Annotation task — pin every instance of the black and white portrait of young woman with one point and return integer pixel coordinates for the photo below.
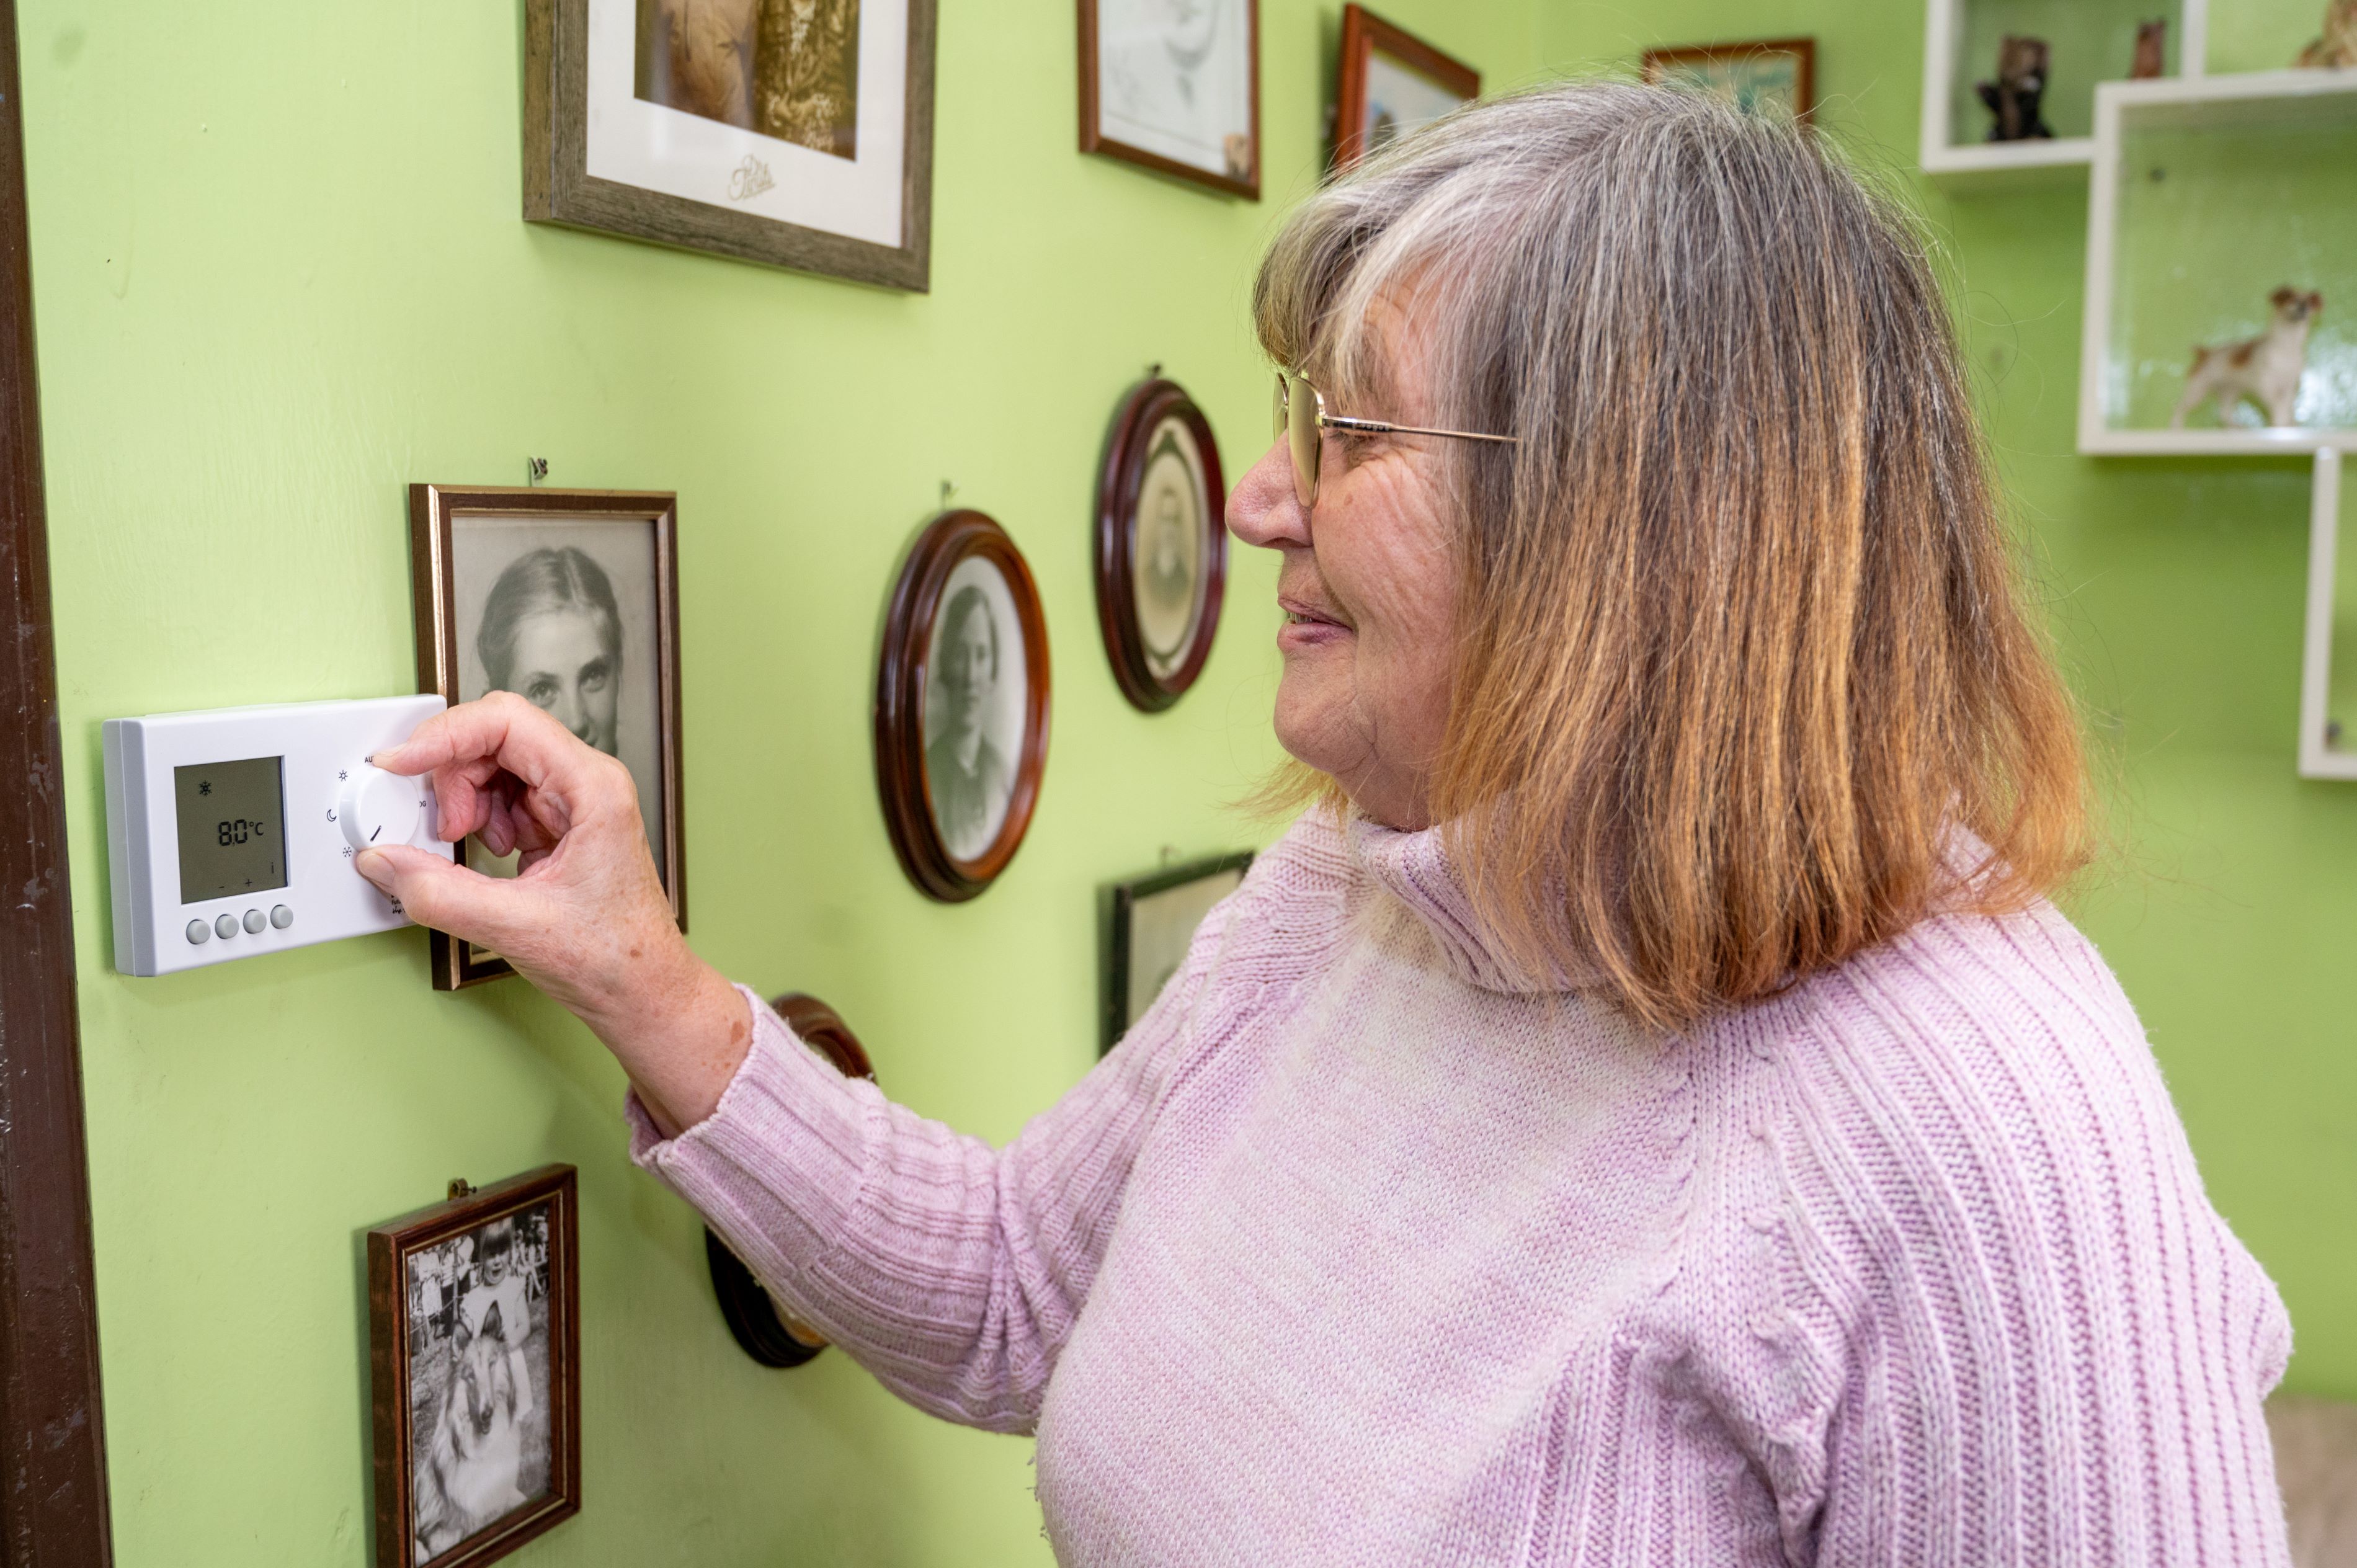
(564, 613)
(973, 708)
(1166, 559)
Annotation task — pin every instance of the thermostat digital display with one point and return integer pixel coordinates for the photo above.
(233, 830)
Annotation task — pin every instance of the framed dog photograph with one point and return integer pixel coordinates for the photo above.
(1150, 921)
(795, 132)
(475, 1368)
(1174, 86)
(960, 705)
(570, 599)
(1773, 75)
(1162, 543)
(1389, 82)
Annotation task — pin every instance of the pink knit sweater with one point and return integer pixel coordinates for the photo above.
(1351, 1254)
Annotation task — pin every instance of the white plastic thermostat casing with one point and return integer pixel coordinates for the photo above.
(301, 887)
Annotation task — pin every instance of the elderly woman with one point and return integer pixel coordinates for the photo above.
(1644, 1110)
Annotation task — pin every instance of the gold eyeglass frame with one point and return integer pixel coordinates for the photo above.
(1304, 435)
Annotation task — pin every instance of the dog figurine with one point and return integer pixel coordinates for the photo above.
(2152, 50)
(2266, 369)
(2020, 86)
(2337, 49)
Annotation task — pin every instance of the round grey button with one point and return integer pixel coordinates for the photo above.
(200, 933)
(255, 919)
(226, 927)
(281, 917)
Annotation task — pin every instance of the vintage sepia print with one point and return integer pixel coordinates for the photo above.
(973, 708)
(1161, 543)
(1174, 84)
(1389, 82)
(1168, 557)
(787, 68)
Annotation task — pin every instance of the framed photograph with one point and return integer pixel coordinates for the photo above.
(1152, 919)
(475, 1363)
(569, 598)
(1162, 543)
(960, 705)
(1390, 81)
(1174, 85)
(760, 1330)
(795, 132)
(1776, 75)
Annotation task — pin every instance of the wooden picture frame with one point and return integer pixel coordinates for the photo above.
(955, 833)
(1149, 920)
(760, 1330)
(679, 167)
(1743, 72)
(444, 1283)
(1158, 601)
(1128, 110)
(452, 602)
(1377, 58)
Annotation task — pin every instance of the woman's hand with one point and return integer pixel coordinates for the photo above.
(585, 919)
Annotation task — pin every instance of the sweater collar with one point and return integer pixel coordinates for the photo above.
(1414, 868)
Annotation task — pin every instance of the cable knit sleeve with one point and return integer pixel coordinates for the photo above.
(2033, 1339)
(951, 1270)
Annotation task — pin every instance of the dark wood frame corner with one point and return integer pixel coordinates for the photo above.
(558, 187)
(433, 591)
(53, 1497)
(1805, 84)
(1121, 902)
(1121, 479)
(390, 1242)
(761, 1331)
(1094, 139)
(900, 727)
(1366, 33)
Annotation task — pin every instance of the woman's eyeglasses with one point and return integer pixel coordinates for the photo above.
(1302, 421)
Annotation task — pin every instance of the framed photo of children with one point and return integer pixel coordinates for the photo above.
(1162, 543)
(796, 132)
(1152, 920)
(475, 1369)
(1174, 86)
(570, 599)
(1775, 75)
(1390, 81)
(960, 705)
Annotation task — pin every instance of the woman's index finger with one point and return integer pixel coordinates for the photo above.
(501, 728)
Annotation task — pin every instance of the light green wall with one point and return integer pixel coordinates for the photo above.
(280, 274)
(2229, 905)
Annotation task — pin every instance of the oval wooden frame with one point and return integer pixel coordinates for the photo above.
(753, 1318)
(1142, 412)
(900, 671)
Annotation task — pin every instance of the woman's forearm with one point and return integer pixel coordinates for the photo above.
(680, 1031)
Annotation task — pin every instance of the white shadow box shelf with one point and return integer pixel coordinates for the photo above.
(2089, 41)
(2328, 685)
(2206, 195)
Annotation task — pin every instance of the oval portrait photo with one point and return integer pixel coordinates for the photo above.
(1162, 555)
(962, 705)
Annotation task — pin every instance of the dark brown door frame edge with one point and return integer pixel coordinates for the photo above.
(53, 1509)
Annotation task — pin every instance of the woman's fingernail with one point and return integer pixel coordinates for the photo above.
(372, 864)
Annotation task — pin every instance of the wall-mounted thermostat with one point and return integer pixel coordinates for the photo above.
(233, 830)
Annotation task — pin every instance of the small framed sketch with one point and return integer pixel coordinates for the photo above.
(475, 1365)
(797, 133)
(569, 598)
(1773, 75)
(1390, 81)
(760, 1330)
(960, 705)
(1162, 543)
(1174, 86)
(1152, 919)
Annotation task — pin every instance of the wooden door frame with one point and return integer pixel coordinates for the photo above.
(53, 1507)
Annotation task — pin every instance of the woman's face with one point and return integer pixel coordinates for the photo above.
(1368, 583)
(969, 671)
(563, 664)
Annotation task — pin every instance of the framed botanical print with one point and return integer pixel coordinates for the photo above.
(1151, 920)
(960, 705)
(795, 132)
(1778, 75)
(569, 598)
(1390, 81)
(1161, 545)
(475, 1371)
(1174, 86)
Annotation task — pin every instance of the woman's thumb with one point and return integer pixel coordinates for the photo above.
(434, 892)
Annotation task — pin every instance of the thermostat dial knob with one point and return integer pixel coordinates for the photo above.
(379, 809)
